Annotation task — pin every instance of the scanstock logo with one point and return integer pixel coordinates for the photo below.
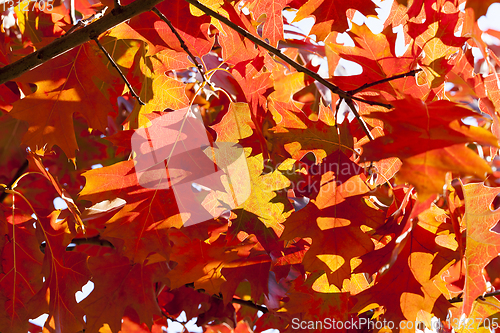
(174, 152)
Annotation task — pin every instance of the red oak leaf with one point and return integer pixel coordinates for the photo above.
(331, 15)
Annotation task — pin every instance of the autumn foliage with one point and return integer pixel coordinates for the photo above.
(365, 197)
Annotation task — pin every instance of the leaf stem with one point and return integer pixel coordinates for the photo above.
(181, 41)
(113, 63)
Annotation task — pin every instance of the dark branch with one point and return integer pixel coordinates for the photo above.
(67, 42)
(350, 103)
(250, 304)
(333, 88)
(96, 240)
(459, 298)
(18, 174)
(113, 63)
(181, 41)
(234, 300)
(387, 79)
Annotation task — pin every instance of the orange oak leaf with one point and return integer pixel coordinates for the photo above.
(201, 263)
(159, 92)
(435, 150)
(36, 165)
(306, 135)
(436, 37)
(42, 28)
(236, 124)
(236, 48)
(427, 171)
(482, 244)
(148, 213)
(118, 285)
(490, 104)
(376, 53)
(337, 236)
(273, 26)
(65, 273)
(173, 181)
(256, 86)
(20, 277)
(65, 85)
(429, 126)
(409, 281)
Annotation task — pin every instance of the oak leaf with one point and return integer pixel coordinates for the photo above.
(482, 244)
(21, 268)
(65, 85)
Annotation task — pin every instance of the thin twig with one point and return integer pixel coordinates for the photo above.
(250, 304)
(459, 298)
(18, 174)
(337, 108)
(350, 103)
(172, 318)
(387, 79)
(181, 41)
(234, 300)
(113, 63)
(118, 4)
(333, 88)
(96, 240)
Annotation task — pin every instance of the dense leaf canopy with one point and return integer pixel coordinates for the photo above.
(214, 158)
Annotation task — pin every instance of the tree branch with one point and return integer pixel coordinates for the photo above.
(387, 79)
(113, 63)
(333, 88)
(67, 42)
(96, 240)
(234, 300)
(459, 298)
